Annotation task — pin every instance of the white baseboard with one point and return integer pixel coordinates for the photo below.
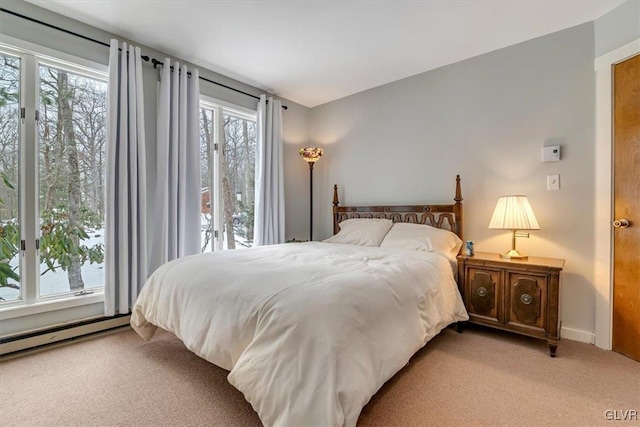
(45, 338)
(577, 335)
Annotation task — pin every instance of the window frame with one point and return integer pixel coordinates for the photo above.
(32, 56)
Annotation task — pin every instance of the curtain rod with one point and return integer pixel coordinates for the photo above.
(144, 57)
(155, 63)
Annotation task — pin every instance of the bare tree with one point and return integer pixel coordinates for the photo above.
(250, 175)
(9, 136)
(228, 199)
(206, 166)
(89, 122)
(65, 95)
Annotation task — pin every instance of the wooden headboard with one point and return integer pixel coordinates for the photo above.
(448, 217)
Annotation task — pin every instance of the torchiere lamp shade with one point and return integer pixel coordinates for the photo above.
(311, 154)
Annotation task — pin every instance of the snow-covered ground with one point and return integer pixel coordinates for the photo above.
(55, 282)
(93, 274)
(241, 242)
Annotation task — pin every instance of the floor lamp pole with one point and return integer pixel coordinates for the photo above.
(311, 201)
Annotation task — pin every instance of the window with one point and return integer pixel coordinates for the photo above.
(228, 153)
(52, 140)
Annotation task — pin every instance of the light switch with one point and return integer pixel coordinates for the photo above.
(553, 182)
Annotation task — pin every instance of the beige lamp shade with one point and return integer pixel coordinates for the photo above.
(513, 213)
(311, 154)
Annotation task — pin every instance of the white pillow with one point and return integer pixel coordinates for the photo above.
(420, 237)
(362, 231)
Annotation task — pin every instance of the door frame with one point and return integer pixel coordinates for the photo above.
(603, 255)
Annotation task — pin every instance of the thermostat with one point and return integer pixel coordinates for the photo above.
(551, 153)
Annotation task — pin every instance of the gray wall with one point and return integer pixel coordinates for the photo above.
(295, 119)
(618, 27)
(487, 119)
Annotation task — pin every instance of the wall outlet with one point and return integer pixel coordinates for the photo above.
(553, 182)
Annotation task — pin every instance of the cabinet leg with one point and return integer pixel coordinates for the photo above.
(553, 346)
(460, 327)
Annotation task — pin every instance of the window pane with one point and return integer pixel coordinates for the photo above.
(9, 174)
(238, 180)
(72, 131)
(206, 167)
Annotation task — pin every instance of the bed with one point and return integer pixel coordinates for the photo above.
(310, 331)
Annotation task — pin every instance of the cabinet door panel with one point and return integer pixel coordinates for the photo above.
(526, 297)
(484, 295)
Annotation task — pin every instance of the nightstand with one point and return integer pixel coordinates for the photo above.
(517, 296)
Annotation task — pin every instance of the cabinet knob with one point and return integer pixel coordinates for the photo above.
(526, 299)
(482, 291)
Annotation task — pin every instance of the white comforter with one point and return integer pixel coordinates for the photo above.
(309, 331)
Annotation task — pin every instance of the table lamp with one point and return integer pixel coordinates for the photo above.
(514, 213)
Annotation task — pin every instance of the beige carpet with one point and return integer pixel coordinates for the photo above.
(482, 377)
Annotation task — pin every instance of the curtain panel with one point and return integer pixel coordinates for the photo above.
(269, 198)
(176, 216)
(126, 227)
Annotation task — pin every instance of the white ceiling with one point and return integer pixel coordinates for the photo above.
(312, 51)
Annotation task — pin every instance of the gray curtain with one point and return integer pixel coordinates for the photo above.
(176, 217)
(269, 205)
(126, 232)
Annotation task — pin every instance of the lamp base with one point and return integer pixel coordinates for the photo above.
(514, 254)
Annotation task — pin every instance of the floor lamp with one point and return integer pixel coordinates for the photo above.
(311, 155)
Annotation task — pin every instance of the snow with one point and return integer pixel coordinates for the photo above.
(93, 274)
(55, 282)
(241, 242)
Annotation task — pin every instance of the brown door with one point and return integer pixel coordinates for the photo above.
(626, 246)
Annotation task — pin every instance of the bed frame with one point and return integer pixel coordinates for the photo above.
(447, 217)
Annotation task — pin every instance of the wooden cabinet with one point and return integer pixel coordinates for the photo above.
(517, 296)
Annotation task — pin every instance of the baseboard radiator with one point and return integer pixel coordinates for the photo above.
(31, 340)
